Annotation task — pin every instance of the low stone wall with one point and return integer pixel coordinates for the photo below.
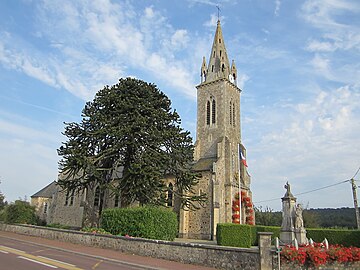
(206, 255)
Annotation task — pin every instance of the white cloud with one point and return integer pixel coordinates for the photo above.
(212, 22)
(110, 41)
(321, 64)
(241, 80)
(318, 46)
(180, 38)
(306, 143)
(277, 7)
(327, 17)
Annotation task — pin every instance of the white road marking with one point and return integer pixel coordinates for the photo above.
(56, 261)
(31, 260)
(2, 251)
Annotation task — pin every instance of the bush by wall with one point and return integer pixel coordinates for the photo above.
(20, 212)
(346, 238)
(234, 235)
(229, 235)
(259, 228)
(145, 222)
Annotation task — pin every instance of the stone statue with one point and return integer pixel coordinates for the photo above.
(292, 226)
(288, 191)
(287, 187)
(299, 222)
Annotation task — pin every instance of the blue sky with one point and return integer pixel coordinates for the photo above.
(298, 66)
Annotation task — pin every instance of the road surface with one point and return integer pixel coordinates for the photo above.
(30, 253)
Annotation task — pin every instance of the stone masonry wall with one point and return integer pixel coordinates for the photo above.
(206, 255)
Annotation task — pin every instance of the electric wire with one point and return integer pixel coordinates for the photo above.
(306, 192)
(356, 173)
(317, 189)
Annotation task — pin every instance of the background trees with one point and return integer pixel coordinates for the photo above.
(128, 140)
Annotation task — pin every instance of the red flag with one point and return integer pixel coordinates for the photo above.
(243, 159)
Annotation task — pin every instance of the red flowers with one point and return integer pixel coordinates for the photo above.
(247, 204)
(317, 255)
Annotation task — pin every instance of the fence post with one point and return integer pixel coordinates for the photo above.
(265, 250)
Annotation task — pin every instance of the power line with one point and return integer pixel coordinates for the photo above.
(356, 173)
(317, 189)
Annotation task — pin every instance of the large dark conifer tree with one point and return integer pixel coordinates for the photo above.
(128, 140)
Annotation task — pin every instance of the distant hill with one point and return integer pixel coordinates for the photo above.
(313, 218)
(335, 217)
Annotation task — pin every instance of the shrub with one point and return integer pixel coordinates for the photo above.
(335, 236)
(145, 222)
(20, 212)
(256, 229)
(234, 235)
(2, 215)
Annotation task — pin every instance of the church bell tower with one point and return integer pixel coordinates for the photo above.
(219, 152)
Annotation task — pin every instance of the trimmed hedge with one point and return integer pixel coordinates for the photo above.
(229, 234)
(234, 235)
(259, 228)
(346, 238)
(144, 222)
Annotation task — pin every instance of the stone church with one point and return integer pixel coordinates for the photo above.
(219, 157)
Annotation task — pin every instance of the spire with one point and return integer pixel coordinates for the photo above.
(219, 66)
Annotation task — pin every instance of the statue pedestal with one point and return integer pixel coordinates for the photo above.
(300, 235)
(287, 237)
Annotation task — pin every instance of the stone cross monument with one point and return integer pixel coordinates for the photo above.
(292, 226)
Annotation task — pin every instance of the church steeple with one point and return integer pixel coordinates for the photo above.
(219, 67)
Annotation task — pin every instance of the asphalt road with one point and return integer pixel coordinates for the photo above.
(27, 252)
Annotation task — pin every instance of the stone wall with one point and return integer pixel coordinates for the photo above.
(206, 255)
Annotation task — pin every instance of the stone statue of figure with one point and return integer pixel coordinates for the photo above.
(299, 222)
(288, 191)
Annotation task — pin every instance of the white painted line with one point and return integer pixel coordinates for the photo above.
(56, 261)
(31, 260)
(2, 251)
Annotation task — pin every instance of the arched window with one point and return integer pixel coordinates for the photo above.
(212, 68)
(230, 113)
(233, 114)
(208, 113)
(117, 200)
(72, 197)
(222, 67)
(213, 111)
(170, 195)
(45, 207)
(97, 197)
(67, 198)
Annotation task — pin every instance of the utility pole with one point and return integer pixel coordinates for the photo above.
(354, 187)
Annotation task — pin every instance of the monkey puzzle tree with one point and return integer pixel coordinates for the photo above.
(128, 140)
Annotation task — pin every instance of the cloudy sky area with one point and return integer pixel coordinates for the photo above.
(298, 66)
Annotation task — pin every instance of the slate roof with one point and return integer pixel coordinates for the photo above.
(47, 191)
(204, 164)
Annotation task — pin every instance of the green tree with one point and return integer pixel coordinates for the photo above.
(267, 216)
(20, 212)
(129, 128)
(311, 219)
(3, 203)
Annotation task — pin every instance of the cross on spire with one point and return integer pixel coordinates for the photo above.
(218, 8)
